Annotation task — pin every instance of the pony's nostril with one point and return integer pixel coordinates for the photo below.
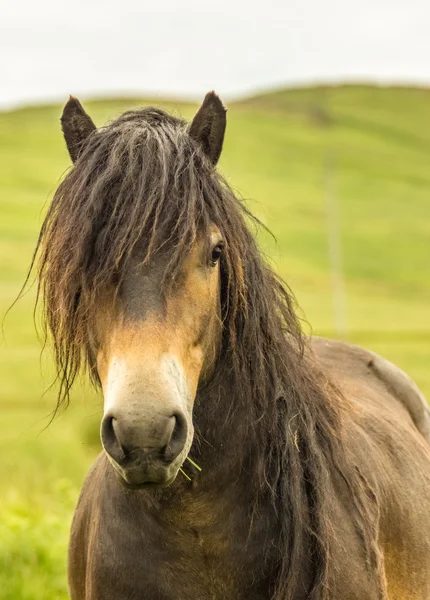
(107, 432)
(180, 430)
(177, 438)
(110, 439)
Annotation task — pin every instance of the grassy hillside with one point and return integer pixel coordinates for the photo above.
(283, 152)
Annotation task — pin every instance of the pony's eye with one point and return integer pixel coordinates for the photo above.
(216, 254)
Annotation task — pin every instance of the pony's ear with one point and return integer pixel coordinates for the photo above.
(76, 125)
(208, 126)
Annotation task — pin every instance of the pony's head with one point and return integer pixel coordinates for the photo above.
(136, 247)
(150, 275)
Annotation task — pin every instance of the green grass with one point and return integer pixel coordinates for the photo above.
(277, 146)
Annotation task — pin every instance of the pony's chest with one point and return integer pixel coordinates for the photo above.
(208, 561)
(215, 548)
(206, 558)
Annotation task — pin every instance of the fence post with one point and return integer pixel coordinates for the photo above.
(335, 253)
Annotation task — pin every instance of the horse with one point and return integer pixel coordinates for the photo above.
(242, 459)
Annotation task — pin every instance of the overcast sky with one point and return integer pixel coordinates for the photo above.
(50, 48)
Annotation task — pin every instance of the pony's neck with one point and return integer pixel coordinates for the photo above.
(228, 436)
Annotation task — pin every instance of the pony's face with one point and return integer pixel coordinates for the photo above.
(151, 358)
(153, 341)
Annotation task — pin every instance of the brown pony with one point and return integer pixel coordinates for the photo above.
(314, 455)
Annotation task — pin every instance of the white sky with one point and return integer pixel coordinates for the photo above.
(50, 48)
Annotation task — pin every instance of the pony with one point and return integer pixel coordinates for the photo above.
(241, 459)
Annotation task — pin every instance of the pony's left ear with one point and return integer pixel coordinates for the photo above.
(208, 126)
(76, 125)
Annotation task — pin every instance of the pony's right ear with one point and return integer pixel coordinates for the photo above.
(76, 125)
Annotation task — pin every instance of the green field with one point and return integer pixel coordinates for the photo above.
(284, 152)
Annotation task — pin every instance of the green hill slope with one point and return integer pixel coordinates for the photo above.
(284, 151)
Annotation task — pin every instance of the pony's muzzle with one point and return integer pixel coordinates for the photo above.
(144, 453)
